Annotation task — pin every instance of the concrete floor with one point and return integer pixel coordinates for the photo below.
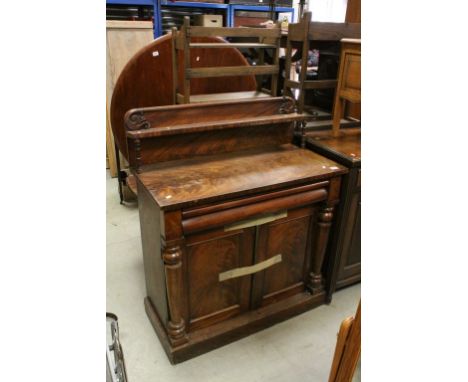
(300, 349)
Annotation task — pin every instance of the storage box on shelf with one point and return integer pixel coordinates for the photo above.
(280, 3)
(234, 219)
(252, 9)
(173, 13)
(250, 18)
(199, 1)
(209, 20)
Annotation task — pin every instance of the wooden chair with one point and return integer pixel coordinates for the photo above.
(267, 39)
(303, 36)
(348, 349)
(349, 80)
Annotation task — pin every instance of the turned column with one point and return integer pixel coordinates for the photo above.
(172, 256)
(325, 217)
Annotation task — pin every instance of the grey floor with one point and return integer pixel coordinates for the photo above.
(300, 349)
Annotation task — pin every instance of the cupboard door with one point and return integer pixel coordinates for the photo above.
(290, 238)
(350, 263)
(208, 255)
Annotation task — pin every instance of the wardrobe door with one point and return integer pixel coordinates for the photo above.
(286, 243)
(213, 298)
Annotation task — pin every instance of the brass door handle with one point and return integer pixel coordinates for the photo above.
(259, 220)
(243, 271)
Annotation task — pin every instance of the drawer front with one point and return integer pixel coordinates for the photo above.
(253, 211)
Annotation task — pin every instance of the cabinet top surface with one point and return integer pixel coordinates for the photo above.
(205, 179)
(347, 145)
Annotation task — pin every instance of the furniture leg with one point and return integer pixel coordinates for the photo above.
(172, 257)
(337, 114)
(324, 222)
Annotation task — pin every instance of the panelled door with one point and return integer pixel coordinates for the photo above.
(350, 263)
(233, 269)
(209, 254)
(288, 238)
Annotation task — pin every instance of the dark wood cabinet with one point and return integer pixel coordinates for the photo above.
(344, 252)
(227, 270)
(234, 219)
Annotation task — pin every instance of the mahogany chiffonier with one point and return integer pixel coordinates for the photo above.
(234, 219)
(344, 251)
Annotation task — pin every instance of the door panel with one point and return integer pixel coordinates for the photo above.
(350, 263)
(210, 254)
(289, 237)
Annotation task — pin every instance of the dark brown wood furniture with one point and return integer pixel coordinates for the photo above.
(146, 80)
(348, 349)
(234, 219)
(344, 253)
(182, 43)
(299, 33)
(349, 80)
(307, 35)
(353, 11)
(353, 15)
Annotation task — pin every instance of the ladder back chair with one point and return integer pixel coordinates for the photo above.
(305, 34)
(349, 80)
(268, 38)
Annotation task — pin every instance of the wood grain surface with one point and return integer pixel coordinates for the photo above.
(146, 80)
(187, 182)
(193, 117)
(348, 144)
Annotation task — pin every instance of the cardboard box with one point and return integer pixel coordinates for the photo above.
(209, 20)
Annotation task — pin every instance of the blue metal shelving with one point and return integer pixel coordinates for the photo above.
(229, 8)
(156, 11)
(130, 2)
(195, 4)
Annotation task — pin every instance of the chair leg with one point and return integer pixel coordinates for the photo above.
(337, 115)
